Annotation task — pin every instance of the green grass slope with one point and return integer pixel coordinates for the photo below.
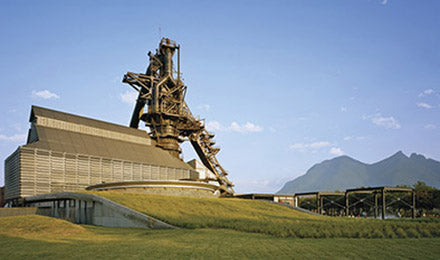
(40, 228)
(267, 218)
(37, 237)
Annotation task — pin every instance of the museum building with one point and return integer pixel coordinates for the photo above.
(66, 152)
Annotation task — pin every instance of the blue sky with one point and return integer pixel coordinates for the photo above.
(283, 84)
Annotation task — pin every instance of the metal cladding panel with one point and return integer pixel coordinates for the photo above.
(146, 172)
(12, 176)
(117, 170)
(127, 171)
(28, 164)
(67, 153)
(137, 172)
(33, 136)
(107, 173)
(80, 120)
(155, 175)
(70, 170)
(180, 172)
(95, 170)
(83, 170)
(171, 173)
(163, 173)
(41, 132)
(31, 171)
(57, 167)
(42, 169)
(77, 143)
(101, 147)
(55, 146)
(73, 142)
(84, 141)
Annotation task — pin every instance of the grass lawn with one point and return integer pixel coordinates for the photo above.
(267, 218)
(38, 237)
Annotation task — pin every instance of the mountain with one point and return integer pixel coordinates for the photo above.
(344, 172)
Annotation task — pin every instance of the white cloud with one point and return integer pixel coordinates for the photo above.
(349, 138)
(384, 2)
(204, 107)
(424, 105)
(426, 92)
(214, 126)
(14, 138)
(310, 146)
(336, 151)
(247, 127)
(387, 122)
(430, 126)
(129, 97)
(343, 109)
(319, 144)
(45, 94)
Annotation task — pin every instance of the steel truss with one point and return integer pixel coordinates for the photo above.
(168, 117)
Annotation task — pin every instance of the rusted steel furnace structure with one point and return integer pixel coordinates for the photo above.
(167, 115)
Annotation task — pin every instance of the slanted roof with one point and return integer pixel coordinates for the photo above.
(62, 140)
(62, 116)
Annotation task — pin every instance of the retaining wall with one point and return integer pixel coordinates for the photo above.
(81, 208)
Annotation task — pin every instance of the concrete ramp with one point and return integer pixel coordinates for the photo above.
(83, 208)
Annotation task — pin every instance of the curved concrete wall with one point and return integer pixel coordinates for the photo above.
(82, 208)
(163, 187)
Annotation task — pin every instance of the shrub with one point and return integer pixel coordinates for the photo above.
(401, 233)
(412, 232)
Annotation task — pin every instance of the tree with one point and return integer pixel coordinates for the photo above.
(428, 198)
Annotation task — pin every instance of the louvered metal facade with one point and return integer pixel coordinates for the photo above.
(68, 153)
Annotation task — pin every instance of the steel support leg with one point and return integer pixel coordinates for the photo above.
(383, 204)
(321, 204)
(318, 207)
(413, 204)
(376, 206)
